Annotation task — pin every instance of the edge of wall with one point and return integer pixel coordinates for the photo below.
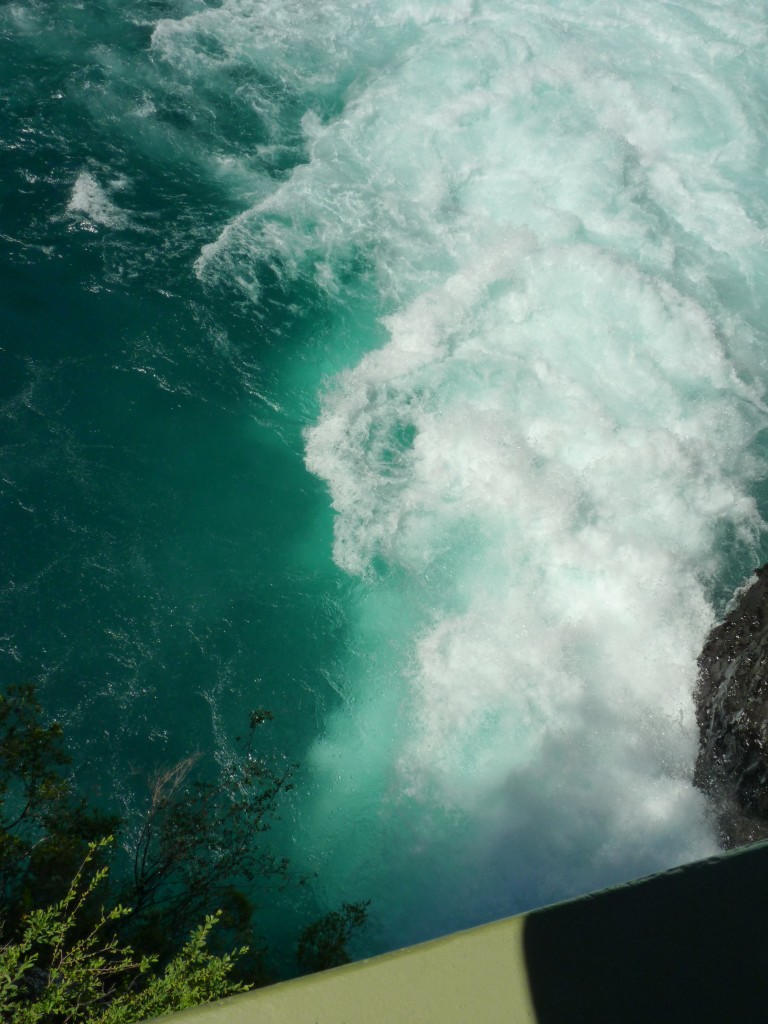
(687, 945)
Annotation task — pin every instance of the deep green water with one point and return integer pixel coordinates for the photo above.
(400, 368)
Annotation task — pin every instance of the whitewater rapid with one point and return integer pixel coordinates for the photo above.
(561, 212)
(531, 239)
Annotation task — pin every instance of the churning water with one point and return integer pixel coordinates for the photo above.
(399, 366)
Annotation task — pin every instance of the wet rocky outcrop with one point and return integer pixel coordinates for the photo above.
(732, 713)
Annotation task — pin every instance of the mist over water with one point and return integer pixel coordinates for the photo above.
(460, 311)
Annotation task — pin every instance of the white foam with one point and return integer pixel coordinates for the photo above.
(558, 210)
(91, 200)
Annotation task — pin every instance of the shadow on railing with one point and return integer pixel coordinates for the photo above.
(689, 946)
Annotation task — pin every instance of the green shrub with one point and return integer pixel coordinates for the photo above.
(51, 975)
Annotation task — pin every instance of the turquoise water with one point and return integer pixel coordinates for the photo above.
(400, 367)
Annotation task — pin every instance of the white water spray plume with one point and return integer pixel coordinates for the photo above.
(561, 213)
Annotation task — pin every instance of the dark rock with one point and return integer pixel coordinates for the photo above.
(732, 713)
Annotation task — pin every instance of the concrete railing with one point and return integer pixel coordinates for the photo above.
(689, 946)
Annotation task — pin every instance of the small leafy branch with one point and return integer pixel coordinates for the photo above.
(49, 975)
(78, 945)
(323, 943)
(44, 828)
